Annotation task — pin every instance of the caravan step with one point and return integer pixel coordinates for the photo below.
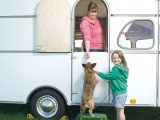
(97, 116)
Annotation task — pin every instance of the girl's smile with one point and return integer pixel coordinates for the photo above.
(116, 59)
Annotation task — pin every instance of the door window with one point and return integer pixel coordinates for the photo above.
(80, 11)
(137, 34)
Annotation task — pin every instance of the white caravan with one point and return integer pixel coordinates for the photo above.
(41, 57)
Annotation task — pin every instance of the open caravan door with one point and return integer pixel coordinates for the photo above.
(100, 58)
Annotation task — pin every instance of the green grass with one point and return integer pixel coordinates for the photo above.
(13, 112)
(19, 112)
(18, 116)
(133, 113)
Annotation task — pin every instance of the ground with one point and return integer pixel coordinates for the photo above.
(19, 112)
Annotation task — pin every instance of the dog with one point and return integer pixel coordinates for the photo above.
(90, 82)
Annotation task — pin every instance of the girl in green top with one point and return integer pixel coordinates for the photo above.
(118, 82)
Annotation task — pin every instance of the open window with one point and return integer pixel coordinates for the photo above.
(137, 34)
(80, 11)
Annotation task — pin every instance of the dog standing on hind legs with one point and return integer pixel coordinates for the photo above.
(90, 82)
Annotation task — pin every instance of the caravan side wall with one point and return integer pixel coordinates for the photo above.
(23, 70)
(143, 82)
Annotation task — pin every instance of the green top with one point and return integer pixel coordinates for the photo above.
(118, 79)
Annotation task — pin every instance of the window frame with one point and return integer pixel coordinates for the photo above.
(130, 22)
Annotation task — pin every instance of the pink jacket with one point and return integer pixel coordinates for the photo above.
(92, 32)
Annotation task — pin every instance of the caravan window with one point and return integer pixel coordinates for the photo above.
(51, 35)
(80, 11)
(137, 35)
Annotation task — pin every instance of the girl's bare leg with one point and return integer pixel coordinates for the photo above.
(120, 114)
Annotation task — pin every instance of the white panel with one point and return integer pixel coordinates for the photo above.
(142, 78)
(101, 89)
(132, 6)
(20, 73)
(28, 7)
(118, 23)
(159, 84)
(17, 33)
(18, 7)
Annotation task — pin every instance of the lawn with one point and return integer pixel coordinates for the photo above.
(132, 113)
(13, 112)
(19, 112)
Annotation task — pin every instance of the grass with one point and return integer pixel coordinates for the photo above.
(132, 113)
(19, 112)
(13, 112)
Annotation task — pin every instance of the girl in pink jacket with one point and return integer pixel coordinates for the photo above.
(92, 32)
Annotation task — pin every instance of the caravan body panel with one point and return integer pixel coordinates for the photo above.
(24, 70)
(22, 73)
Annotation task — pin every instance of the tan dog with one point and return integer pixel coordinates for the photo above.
(90, 82)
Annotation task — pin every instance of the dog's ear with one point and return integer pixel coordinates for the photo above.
(84, 65)
(93, 65)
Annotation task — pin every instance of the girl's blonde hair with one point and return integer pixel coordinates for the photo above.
(121, 55)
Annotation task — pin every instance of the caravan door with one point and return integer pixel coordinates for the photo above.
(101, 90)
(100, 58)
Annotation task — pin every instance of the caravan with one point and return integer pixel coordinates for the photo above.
(41, 56)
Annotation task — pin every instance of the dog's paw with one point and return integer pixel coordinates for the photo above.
(92, 115)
